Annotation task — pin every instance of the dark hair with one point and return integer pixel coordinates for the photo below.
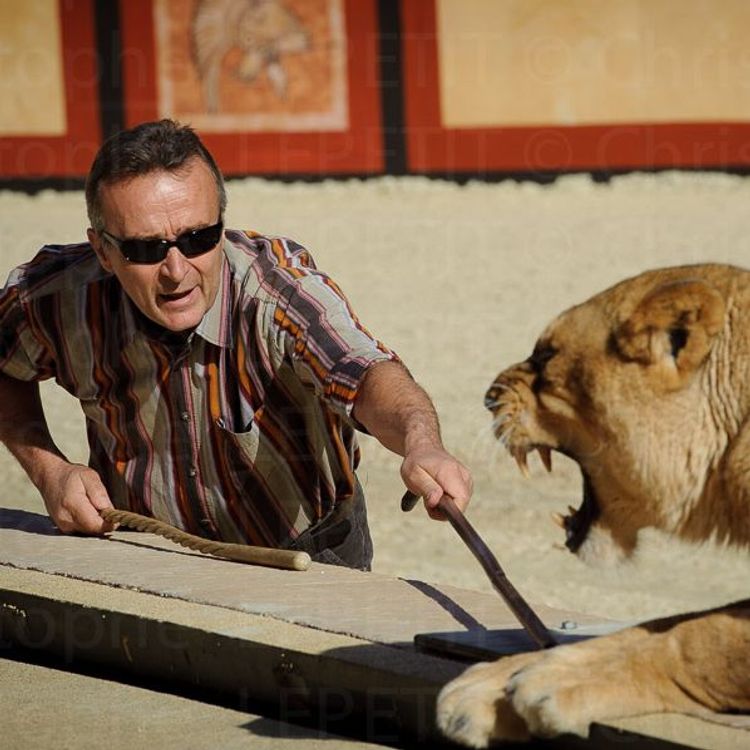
(161, 145)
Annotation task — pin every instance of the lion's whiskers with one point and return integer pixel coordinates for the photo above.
(485, 443)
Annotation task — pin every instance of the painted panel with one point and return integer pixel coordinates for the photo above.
(302, 97)
(32, 100)
(275, 65)
(65, 142)
(587, 62)
(551, 146)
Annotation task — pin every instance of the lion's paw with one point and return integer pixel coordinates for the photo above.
(573, 686)
(547, 704)
(474, 709)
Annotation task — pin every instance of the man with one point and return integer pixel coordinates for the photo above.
(221, 375)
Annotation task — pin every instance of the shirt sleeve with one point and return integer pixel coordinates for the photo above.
(22, 355)
(325, 341)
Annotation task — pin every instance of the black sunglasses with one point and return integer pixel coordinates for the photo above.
(192, 243)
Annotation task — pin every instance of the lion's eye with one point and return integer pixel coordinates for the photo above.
(677, 339)
(541, 355)
(539, 360)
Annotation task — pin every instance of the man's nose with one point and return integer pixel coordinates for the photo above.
(174, 264)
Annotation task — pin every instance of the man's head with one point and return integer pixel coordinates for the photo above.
(158, 182)
(149, 147)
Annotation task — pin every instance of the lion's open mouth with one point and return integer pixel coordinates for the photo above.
(578, 522)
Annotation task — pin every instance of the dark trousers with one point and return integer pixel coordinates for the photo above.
(342, 537)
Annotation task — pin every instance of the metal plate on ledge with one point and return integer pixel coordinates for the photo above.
(487, 645)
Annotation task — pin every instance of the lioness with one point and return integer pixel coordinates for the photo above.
(647, 387)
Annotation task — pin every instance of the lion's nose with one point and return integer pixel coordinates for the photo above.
(491, 397)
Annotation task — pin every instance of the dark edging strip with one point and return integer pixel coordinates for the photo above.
(326, 691)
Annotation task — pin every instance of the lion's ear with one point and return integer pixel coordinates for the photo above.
(673, 326)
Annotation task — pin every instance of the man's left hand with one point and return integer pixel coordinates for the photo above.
(430, 472)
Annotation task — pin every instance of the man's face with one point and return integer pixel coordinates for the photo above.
(178, 291)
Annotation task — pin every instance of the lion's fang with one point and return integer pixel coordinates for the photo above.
(520, 455)
(546, 455)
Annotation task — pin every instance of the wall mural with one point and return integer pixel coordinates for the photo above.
(252, 65)
(297, 87)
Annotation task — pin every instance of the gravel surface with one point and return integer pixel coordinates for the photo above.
(460, 281)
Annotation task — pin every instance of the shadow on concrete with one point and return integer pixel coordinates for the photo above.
(286, 730)
(455, 610)
(24, 520)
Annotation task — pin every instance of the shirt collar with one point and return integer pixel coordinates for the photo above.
(215, 327)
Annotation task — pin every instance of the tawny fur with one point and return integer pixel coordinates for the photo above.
(647, 387)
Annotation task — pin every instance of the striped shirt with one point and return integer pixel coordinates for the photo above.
(240, 430)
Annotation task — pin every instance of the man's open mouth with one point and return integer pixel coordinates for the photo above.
(175, 296)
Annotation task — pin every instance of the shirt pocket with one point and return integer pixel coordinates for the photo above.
(244, 444)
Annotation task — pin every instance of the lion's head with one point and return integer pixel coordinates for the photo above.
(645, 386)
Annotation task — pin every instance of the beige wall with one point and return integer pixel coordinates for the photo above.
(32, 100)
(575, 62)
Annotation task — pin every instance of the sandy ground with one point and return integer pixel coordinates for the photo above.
(460, 281)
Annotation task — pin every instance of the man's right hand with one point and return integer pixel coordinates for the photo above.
(74, 495)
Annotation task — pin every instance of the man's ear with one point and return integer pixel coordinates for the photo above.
(96, 243)
(673, 327)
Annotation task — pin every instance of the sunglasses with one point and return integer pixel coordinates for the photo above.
(192, 243)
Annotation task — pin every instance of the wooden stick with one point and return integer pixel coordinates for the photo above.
(285, 559)
(516, 603)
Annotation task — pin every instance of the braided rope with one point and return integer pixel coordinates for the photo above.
(272, 558)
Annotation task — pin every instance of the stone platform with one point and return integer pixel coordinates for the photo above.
(327, 647)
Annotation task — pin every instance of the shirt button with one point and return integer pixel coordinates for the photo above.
(185, 416)
(192, 471)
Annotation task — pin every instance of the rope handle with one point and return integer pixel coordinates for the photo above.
(285, 559)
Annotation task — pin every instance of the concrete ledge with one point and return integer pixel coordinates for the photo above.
(305, 676)
(324, 646)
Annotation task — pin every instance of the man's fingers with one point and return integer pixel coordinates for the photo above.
(432, 498)
(461, 489)
(456, 488)
(95, 490)
(431, 492)
(83, 496)
(64, 522)
(435, 513)
(424, 486)
(99, 499)
(433, 473)
(88, 520)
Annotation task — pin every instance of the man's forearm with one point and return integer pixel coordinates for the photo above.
(24, 431)
(396, 410)
(73, 494)
(401, 416)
